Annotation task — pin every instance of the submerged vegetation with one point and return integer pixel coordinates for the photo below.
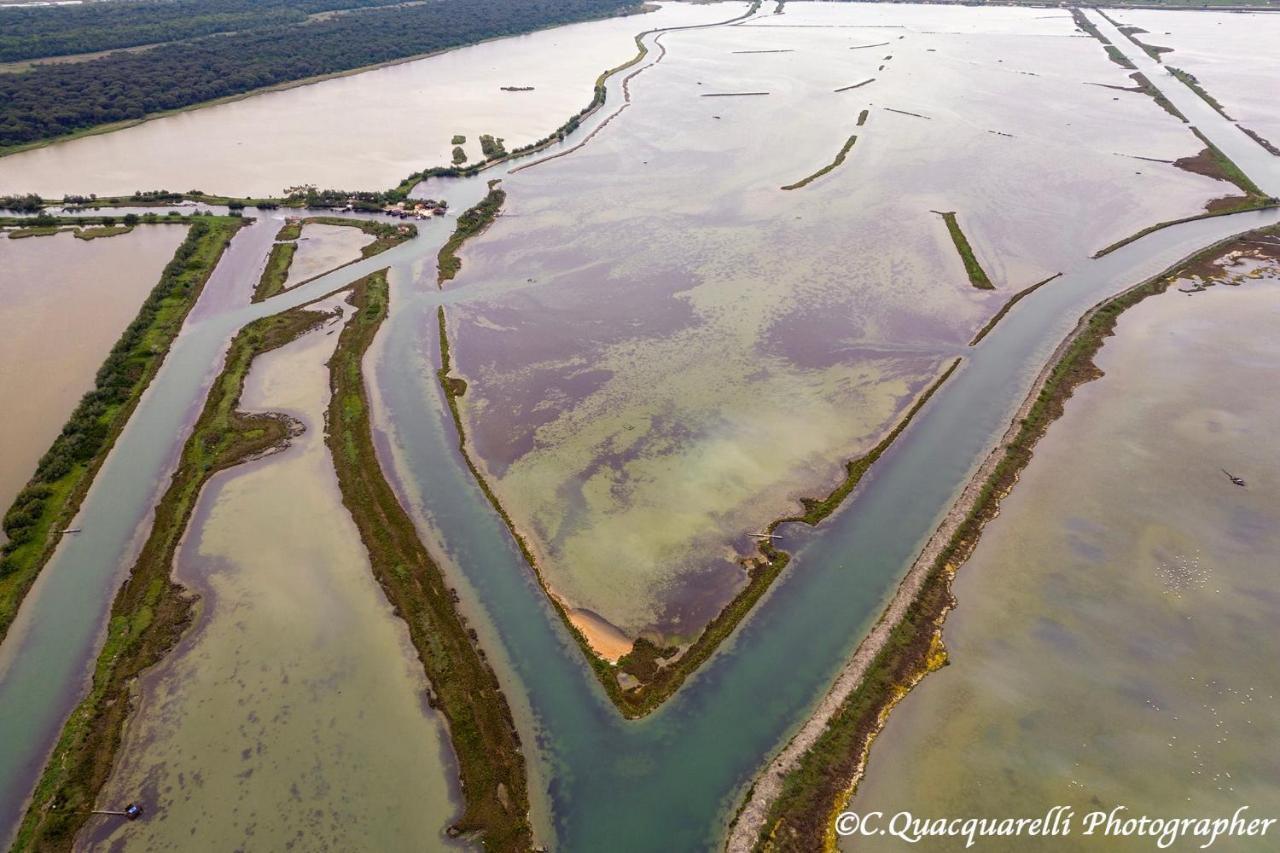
(977, 275)
(151, 611)
(840, 155)
(470, 223)
(821, 780)
(464, 686)
(46, 506)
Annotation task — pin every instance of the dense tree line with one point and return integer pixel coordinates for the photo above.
(56, 99)
(40, 31)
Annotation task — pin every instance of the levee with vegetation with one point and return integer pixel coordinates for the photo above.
(44, 509)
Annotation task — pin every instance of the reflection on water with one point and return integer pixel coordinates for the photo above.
(365, 131)
(681, 350)
(1114, 641)
(63, 303)
(294, 715)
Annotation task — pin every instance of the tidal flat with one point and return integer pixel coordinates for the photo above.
(1111, 644)
(329, 739)
(665, 351)
(363, 131)
(63, 304)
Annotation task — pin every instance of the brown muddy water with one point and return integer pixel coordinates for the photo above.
(363, 131)
(63, 303)
(295, 712)
(322, 248)
(681, 349)
(1114, 643)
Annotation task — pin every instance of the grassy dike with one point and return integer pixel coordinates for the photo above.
(820, 782)
(840, 155)
(977, 275)
(151, 611)
(52, 498)
(465, 688)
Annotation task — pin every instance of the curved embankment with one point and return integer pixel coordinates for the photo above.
(473, 221)
(1004, 309)
(657, 673)
(49, 502)
(794, 799)
(840, 155)
(276, 273)
(464, 687)
(151, 612)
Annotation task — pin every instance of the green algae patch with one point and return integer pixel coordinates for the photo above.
(840, 155)
(464, 686)
(825, 776)
(474, 221)
(48, 503)
(151, 612)
(977, 275)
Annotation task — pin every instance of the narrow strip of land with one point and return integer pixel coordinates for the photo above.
(840, 155)
(48, 503)
(464, 686)
(977, 275)
(1013, 300)
(792, 802)
(276, 272)
(472, 222)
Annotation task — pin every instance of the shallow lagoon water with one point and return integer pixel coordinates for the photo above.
(1114, 643)
(322, 248)
(1233, 55)
(682, 349)
(63, 303)
(365, 131)
(295, 712)
(610, 785)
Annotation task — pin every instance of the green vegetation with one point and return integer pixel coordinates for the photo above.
(35, 231)
(840, 155)
(458, 139)
(276, 271)
(51, 499)
(1004, 309)
(1147, 88)
(492, 148)
(151, 612)
(1212, 163)
(464, 686)
(56, 100)
(977, 275)
(799, 819)
(470, 223)
(102, 231)
(459, 156)
(1119, 58)
(1083, 22)
(1194, 85)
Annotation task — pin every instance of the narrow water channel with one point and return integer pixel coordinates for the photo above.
(609, 784)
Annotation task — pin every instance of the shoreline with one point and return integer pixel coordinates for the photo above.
(870, 684)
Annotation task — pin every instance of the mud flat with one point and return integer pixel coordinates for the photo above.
(63, 303)
(327, 740)
(661, 351)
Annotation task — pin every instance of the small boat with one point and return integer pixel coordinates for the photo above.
(1239, 481)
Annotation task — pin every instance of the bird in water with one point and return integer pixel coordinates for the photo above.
(1239, 481)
